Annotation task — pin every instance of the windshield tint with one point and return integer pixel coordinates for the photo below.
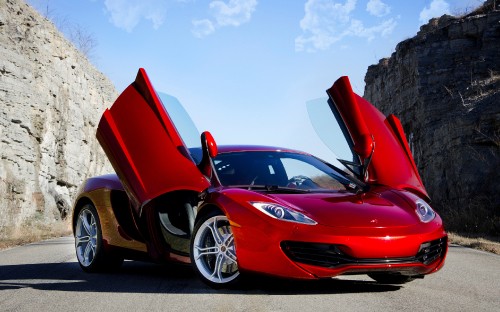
(279, 169)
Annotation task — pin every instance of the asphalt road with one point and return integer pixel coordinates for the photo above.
(46, 277)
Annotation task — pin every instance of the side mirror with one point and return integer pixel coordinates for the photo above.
(365, 149)
(209, 150)
(208, 144)
(364, 146)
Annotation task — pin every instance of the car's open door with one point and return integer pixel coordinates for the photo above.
(378, 144)
(144, 146)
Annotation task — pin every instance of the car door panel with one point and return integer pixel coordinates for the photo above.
(392, 162)
(144, 146)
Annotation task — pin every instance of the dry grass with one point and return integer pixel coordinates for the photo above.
(490, 244)
(33, 232)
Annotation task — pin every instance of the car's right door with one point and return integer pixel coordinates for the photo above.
(375, 141)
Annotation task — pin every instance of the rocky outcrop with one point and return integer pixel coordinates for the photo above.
(444, 85)
(51, 99)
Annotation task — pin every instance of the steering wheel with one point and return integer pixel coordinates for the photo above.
(301, 181)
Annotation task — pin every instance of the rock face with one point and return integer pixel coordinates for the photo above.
(51, 99)
(444, 85)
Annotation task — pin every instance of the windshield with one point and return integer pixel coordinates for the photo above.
(275, 170)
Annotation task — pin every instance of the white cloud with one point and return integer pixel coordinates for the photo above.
(357, 29)
(322, 23)
(226, 13)
(377, 8)
(126, 14)
(326, 22)
(202, 28)
(233, 13)
(435, 9)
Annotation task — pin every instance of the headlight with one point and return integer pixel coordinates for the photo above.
(424, 211)
(282, 213)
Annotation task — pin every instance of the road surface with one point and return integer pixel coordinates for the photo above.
(46, 277)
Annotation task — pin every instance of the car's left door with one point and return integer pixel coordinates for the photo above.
(144, 146)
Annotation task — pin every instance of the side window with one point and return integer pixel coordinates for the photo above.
(331, 129)
(181, 119)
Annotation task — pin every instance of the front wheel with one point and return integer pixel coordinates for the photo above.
(88, 243)
(213, 253)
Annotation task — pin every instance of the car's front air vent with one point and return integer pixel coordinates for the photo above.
(323, 255)
(327, 255)
(430, 251)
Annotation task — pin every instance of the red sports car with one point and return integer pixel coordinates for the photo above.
(229, 210)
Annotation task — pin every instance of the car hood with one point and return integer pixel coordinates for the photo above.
(344, 209)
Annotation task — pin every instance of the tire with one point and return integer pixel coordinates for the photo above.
(213, 253)
(388, 278)
(88, 243)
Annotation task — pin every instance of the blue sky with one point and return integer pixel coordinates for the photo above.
(244, 69)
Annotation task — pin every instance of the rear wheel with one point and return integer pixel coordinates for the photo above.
(389, 278)
(88, 243)
(213, 253)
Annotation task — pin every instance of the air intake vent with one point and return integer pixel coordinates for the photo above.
(323, 255)
(430, 251)
(326, 255)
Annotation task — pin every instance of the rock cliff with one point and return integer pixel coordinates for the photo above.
(51, 99)
(444, 85)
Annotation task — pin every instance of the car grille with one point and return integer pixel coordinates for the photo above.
(326, 255)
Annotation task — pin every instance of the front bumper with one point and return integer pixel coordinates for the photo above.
(308, 252)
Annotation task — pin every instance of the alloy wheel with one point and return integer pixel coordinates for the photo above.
(213, 251)
(86, 237)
